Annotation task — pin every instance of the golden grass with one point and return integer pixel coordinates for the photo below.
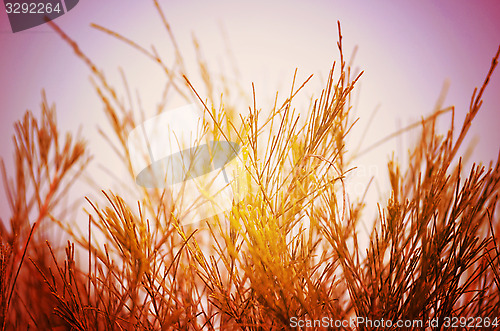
(289, 249)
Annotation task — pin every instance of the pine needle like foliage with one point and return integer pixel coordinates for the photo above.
(289, 250)
(45, 167)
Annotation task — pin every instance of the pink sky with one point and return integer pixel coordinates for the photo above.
(407, 49)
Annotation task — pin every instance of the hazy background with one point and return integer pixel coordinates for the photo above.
(407, 50)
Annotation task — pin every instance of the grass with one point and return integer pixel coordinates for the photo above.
(290, 249)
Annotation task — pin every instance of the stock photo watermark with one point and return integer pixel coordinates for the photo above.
(355, 322)
(171, 151)
(24, 15)
(364, 322)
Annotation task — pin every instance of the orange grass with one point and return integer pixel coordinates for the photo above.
(290, 249)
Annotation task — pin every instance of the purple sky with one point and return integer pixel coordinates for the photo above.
(407, 49)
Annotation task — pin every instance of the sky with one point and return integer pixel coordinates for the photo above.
(407, 49)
